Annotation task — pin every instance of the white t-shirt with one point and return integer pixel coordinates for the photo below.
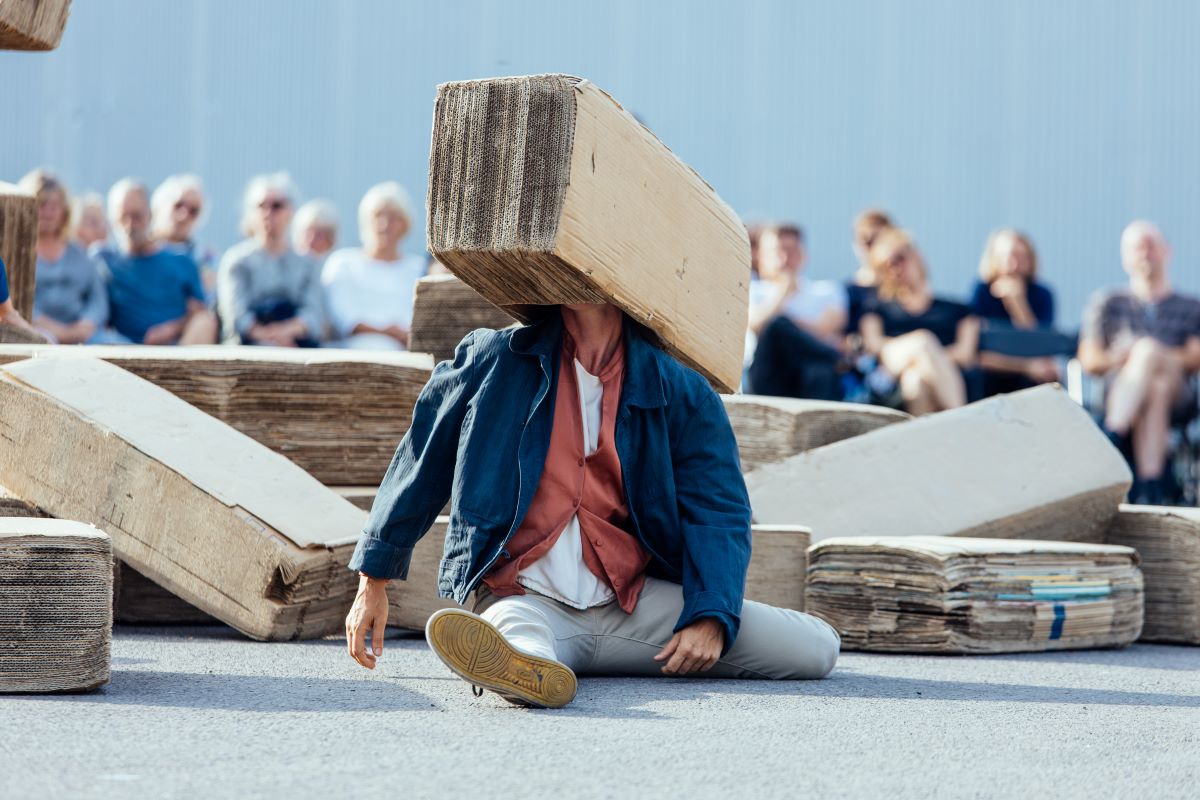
(561, 573)
(811, 300)
(362, 289)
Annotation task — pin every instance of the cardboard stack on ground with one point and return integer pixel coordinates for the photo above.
(32, 24)
(339, 414)
(931, 594)
(11, 334)
(204, 511)
(1031, 465)
(18, 245)
(543, 190)
(55, 605)
(444, 311)
(1168, 541)
(137, 600)
(769, 429)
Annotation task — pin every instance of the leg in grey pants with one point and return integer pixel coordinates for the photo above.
(772, 642)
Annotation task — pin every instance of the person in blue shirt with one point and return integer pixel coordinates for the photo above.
(8, 312)
(155, 296)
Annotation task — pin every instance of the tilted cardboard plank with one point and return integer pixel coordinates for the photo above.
(18, 248)
(32, 24)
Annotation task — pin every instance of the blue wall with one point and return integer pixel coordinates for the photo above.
(1066, 119)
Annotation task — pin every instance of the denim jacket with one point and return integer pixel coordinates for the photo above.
(479, 436)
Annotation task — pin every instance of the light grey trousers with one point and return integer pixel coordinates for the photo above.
(773, 643)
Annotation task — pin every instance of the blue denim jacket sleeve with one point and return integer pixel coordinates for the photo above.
(714, 509)
(417, 484)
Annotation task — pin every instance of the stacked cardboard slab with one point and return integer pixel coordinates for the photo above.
(361, 496)
(18, 238)
(339, 414)
(444, 311)
(32, 24)
(543, 190)
(769, 429)
(11, 334)
(775, 576)
(204, 511)
(1168, 541)
(929, 594)
(55, 605)
(1031, 464)
(137, 600)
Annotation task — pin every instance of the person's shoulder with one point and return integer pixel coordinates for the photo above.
(683, 386)
(1107, 296)
(339, 260)
(1187, 301)
(240, 252)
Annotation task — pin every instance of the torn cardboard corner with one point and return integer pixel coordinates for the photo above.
(445, 310)
(32, 24)
(1168, 541)
(55, 605)
(18, 250)
(544, 191)
(202, 510)
(929, 594)
(770, 429)
(338, 414)
(1029, 465)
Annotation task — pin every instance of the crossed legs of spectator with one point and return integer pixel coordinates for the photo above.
(929, 379)
(1140, 400)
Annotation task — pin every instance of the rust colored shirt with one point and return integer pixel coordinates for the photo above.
(575, 484)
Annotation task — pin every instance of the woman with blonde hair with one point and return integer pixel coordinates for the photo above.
(90, 219)
(1008, 290)
(70, 301)
(922, 342)
(178, 211)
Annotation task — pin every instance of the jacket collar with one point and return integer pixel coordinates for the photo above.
(642, 385)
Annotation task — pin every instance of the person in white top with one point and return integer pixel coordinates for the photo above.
(798, 323)
(369, 290)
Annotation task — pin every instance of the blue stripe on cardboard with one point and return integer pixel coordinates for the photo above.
(1060, 616)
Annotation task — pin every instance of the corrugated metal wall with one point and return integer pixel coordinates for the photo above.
(1066, 119)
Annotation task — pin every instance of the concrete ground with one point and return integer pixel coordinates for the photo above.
(202, 712)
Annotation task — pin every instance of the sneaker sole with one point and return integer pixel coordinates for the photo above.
(476, 652)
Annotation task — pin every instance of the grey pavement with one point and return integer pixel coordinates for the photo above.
(202, 712)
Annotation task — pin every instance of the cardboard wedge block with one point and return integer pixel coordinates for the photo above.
(444, 311)
(1031, 465)
(1168, 541)
(18, 247)
(339, 414)
(137, 600)
(55, 605)
(775, 576)
(769, 429)
(931, 594)
(204, 511)
(32, 24)
(11, 334)
(543, 190)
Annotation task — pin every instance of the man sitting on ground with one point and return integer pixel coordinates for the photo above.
(599, 515)
(1144, 341)
(155, 297)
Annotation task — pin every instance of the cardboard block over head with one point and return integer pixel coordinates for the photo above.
(544, 191)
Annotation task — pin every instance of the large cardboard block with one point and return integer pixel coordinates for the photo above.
(1031, 465)
(55, 605)
(1168, 541)
(769, 429)
(137, 600)
(18, 244)
(339, 414)
(930, 594)
(202, 510)
(543, 190)
(444, 311)
(32, 24)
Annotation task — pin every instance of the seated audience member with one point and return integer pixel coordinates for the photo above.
(268, 294)
(315, 229)
(154, 296)
(8, 312)
(861, 289)
(70, 301)
(1008, 293)
(1144, 340)
(921, 341)
(369, 290)
(91, 227)
(798, 322)
(178, 209)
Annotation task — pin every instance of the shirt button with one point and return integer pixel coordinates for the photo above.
(581, 462)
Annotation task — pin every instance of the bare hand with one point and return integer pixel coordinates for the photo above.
(1042, 370)
(164, 332)
(398, 333)
(1009, 286)
(696, 648)
(369, 613)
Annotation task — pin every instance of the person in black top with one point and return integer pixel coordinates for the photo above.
(921, 340)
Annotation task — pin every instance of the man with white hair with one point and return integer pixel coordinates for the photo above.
(1144, 340)
(369, 290)
(269, 294)
(155, 296)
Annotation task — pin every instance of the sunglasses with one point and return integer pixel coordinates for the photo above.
(192, 211)
(273, 205)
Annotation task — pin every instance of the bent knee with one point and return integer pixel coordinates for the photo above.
(812, 654)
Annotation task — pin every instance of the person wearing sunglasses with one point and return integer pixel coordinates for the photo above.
(177, 206)
(923, 343)
(70, 302)
(267, 293)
